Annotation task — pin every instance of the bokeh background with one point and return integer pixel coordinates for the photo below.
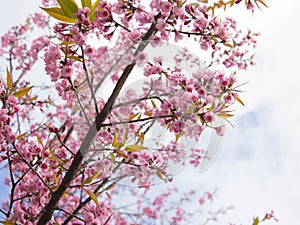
(257, 169)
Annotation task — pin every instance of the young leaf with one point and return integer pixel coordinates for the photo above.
(119, 153)
(90, 179)
(8, 78)
(134, 148)
(153, 104)
(255, 221)
(133, 116)
(92, 12)
(21, 136)
(159, 175)
(7, 223)
(261, 1)
(115, 141)
(93, 197)
(149, 114)
(75, 57)
(112, 158)
(59, 14)
(240, 101)
(39, 140)
(22, 92)
(69, 7)
(33, 98)
(226, 44)
(108, 195)
(110, 187)
(95, 5)
(55, 179)
(224, 115)
(125, 137)
(86, 3)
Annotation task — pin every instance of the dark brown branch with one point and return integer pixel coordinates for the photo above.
(1, 211)
(48, 211)
(72, 215)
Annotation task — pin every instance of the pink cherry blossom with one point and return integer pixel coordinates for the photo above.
(166, 7)
(221, 130)
(209, 117)
(47, 129)
(161, 24)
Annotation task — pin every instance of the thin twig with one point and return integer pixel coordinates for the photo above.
(63, 144)
(138, 120)
(140, 99)
(80, 104)
(32, 169)
(3, 212)
(77, 217)
(13, 185)
(89, 81)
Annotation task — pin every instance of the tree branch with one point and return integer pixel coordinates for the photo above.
(138, 120)
(47, 212)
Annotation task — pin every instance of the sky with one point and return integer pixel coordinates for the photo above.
(257, 169)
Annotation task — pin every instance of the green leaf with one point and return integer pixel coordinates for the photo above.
(153, 104)
(92, 12)
(115, 143)
(93, 197)
(76, 58)
(55, 178)
(22, 92)
(59, 14)
(224, 115)
(133, 116)
(86, 3)
(32, 99)
(90, 179)
(8, 79)
(159, 175)
(119, 153)
(95, 5)
(39, 140)
(255, 221)
(134, 148)
(262, 2)
(240, 101)
(7, 223)
(21, 136)
(226, 44)
(69, 7)
(125, 137)
(112, 158)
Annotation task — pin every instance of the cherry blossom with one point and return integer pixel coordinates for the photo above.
(73, 146)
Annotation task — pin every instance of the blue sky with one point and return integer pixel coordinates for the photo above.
(258, 167)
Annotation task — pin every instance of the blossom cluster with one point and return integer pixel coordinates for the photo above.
(102, 44)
